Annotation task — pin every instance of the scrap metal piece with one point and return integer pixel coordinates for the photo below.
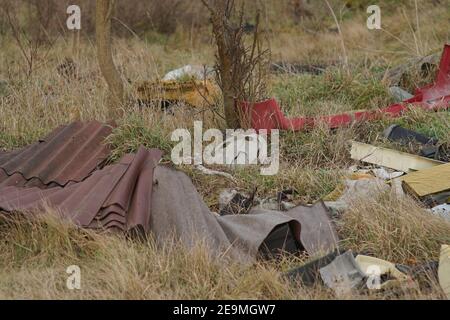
(444, 270)
(400, 161)
(343, 274)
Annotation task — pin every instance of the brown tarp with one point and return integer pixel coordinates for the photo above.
(178, 209)
(68, 154)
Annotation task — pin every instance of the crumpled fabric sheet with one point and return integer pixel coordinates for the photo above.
(177, 209)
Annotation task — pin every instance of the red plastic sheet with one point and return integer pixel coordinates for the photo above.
(268, 115)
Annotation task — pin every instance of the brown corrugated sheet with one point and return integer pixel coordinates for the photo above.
(138, 195)
(117, 196)
(68, 154)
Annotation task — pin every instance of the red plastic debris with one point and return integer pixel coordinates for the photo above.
(268, 115)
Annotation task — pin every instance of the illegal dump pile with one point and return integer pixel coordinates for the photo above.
(374, 221)
(69, 172)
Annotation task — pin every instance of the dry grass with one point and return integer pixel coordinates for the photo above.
(394, 229)
(35, 255)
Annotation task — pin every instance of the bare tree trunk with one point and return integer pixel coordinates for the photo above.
(104, 9)
(240, 67)
(226, 72)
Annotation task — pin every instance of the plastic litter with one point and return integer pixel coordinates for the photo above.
(189, 71)
(343, 274)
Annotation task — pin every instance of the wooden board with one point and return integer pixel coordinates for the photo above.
(428, 181)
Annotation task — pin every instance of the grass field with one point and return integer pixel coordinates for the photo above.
(34, 255)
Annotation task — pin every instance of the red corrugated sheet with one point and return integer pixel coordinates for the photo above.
(68, 154)
(268, 115)
(118, 196)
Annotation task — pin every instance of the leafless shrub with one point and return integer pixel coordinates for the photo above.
(241, 68)
(31, 37)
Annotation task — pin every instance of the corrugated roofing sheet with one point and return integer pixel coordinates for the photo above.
(68, 154)
(135, 194)
(118, 196)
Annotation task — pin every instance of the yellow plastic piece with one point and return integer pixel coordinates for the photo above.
(386, 267)
(367, 264)
(197, 93)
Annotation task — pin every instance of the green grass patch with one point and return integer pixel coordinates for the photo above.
(134, 132)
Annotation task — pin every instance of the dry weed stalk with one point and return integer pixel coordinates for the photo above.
(30, 42)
